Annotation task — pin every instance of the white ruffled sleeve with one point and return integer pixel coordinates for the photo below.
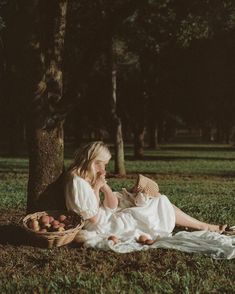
(80, 197)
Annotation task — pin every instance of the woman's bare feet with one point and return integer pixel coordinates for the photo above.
(216, 228)
(184, 220)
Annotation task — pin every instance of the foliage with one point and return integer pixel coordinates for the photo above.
(2, 24)
(174, 59)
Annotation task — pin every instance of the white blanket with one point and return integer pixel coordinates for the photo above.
(213, 244)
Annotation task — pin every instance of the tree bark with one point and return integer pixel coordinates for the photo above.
(153, 136)
(119, 149)
(45, 23)
(116, 121)
(139, 142)
(2, 66)
(46, 157)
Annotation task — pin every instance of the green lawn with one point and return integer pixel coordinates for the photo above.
(197, 178)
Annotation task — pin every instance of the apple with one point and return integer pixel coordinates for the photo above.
(30, 223)
(55, 227)
(44, 219)
(62, 218)
(114, 239)
(51, 219)
(142, 239)
(46, 226)
(35, 225)
(149, 241)
(55, 222)
(61, 229)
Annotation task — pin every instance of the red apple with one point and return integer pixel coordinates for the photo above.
(44, 219)
(55, 222)
(62, 218)
(51, 219)
(142, 239)
(114, 239)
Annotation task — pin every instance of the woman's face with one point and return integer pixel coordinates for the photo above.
(100, 166)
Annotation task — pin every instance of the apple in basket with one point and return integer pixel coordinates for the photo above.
(55, 223)
(66, 222)
(51, 219)
(34, 225)
(44, 222)
(55, 227)
(48, 223)
(62, 218)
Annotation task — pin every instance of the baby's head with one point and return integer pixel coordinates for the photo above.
(88, 157)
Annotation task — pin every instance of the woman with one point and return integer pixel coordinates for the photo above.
(117, 215)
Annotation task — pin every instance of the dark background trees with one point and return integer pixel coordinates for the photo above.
(130, 71)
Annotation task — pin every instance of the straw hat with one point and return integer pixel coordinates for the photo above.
(146, 186)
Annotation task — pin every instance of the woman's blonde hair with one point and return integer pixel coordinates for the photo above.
(85, 157)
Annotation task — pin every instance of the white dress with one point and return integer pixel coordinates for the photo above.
(137, 215)
(153, 217)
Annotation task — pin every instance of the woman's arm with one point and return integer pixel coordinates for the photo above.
(100, 182)
(110, 199)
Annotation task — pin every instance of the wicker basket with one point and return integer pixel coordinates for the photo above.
(53, 239)
(147, 186)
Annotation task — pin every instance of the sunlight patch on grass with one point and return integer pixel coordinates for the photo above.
(13, 190)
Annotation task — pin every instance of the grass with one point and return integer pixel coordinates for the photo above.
(197, 178)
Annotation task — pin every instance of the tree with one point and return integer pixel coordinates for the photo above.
(107, 17)
(115, 119)
(38, 27)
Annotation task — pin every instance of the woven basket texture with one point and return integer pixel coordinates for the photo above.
(53, 239)
(147, 186)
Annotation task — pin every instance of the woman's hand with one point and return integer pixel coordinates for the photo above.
(100, 181)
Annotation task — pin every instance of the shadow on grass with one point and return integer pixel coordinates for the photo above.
(198, 148)
(175, 158)
(133, 174)
(14, 235)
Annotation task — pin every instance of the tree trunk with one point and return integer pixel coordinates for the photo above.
(152, 114)
(116, 121)
(139, 143)
(2, 66)
(153, 137)
(44, 91)
(119, 150)
(46, 155)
